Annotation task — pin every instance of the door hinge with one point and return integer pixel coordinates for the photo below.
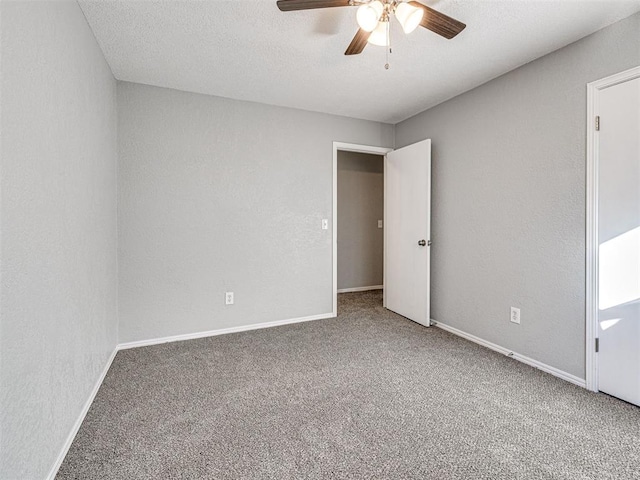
(597, 345)
(597, 123)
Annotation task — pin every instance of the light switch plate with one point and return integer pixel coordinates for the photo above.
(325, 224)
(515, 315)
(379, 223)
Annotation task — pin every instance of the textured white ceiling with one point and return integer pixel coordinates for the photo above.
(250, 50)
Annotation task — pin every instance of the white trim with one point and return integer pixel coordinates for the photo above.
(360, 289)
(385, 232)
(83, 413)
(510, 353)
(221, 331)
(592, 241)
(591, 313)
(347, 147)
(615, 79)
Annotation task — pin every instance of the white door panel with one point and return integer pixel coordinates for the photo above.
(619, 357)
(407, 223)
(619, 241)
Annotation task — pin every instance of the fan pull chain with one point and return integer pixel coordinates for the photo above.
(388, 51)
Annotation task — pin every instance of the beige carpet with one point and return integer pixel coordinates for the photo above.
(367, 395)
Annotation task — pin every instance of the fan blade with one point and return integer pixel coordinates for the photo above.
(358, 43)
(291, 5)
(438, 22)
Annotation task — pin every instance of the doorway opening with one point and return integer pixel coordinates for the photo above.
(358, 209)
(360, 221)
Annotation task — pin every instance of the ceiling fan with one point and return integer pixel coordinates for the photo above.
(373, 19)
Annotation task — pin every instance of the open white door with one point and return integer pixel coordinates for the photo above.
(619, 240)
(407, 231)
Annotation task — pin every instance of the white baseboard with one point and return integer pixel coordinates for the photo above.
(222, 331)
(360, 289)
(76, 426)
(510, 353)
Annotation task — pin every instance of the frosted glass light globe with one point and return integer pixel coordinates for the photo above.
(369, 14)
(379, 35)
(408, 16)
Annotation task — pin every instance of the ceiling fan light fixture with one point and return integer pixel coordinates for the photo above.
(408, 16)
(379, 35)
(369, 14)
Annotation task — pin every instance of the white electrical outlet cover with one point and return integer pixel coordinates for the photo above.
(515, 315)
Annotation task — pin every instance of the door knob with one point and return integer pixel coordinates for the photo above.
(422, 243)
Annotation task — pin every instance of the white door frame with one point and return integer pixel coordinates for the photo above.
(351, 147)
(592, 219)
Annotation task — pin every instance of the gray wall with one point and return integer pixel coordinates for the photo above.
(509, 198)
(360, 206)
(222, 195)
(58, 228)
